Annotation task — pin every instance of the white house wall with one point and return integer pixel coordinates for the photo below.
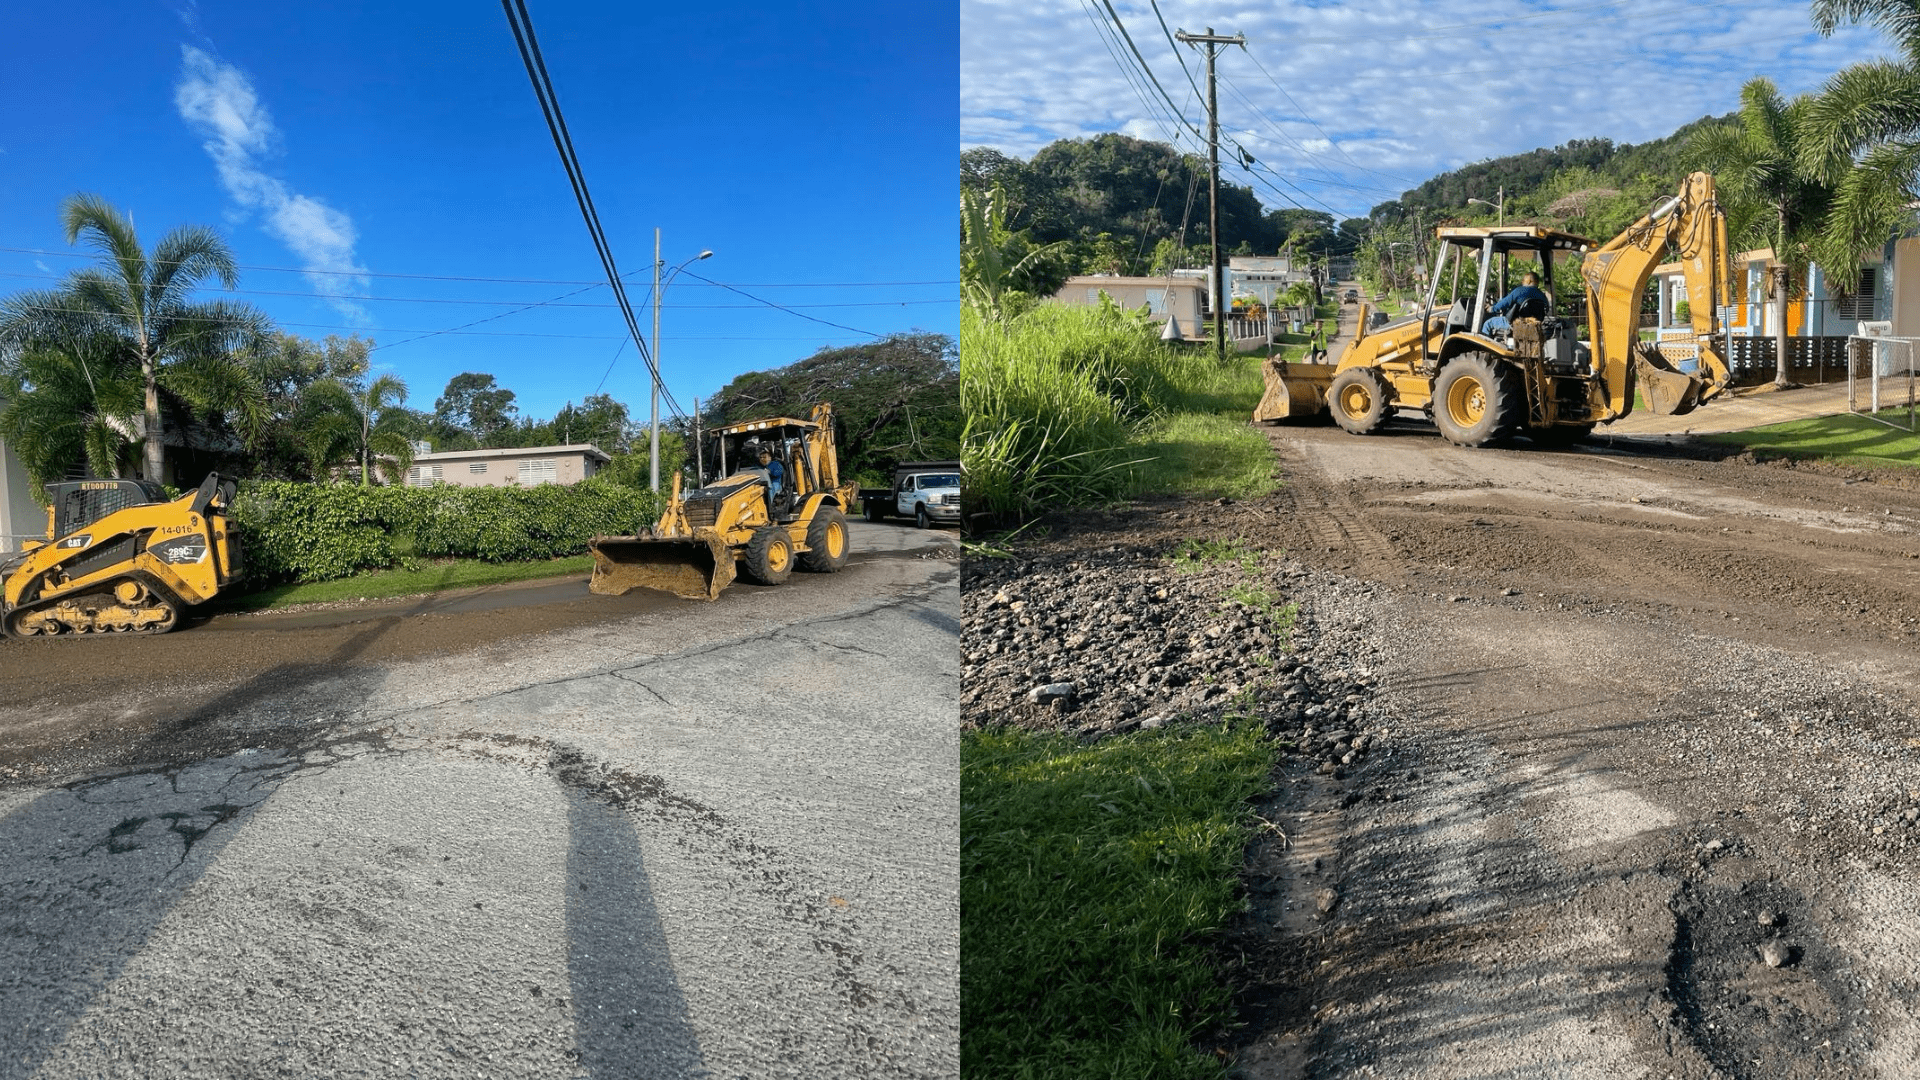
(21, 515)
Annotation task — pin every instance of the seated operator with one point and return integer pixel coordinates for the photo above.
(1524, 302)
(775, 470)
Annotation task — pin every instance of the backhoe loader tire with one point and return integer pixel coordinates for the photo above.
(1559, 434)
(1357, 397)
(1478, 400)
(769, 555)
(827, 546)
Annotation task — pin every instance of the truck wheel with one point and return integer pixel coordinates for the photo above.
(1358, 399)
(827, 547)
(920, 517)
(872, 510)
(769, 555)
(1478, 400)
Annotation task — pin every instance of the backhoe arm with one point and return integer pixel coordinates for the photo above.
(1617, 273)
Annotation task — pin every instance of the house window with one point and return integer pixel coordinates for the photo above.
(423, 475)
(1858, 305)
(1157, 303)
(477, 467)
(538, 471)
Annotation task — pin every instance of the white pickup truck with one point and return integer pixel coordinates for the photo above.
(926, 491)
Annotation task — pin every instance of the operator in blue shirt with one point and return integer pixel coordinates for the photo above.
(776, 471)
(1525, 302)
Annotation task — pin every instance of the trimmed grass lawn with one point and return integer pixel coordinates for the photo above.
(1847, 438)
(1091, 878)
(433, 577)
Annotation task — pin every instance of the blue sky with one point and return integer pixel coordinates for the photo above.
(1346, 105)
(341, 147)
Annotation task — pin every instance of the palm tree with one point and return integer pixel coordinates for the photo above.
(1863, 134)
(141, 306)
(1758, 160)
(348, 421)
(69, 402)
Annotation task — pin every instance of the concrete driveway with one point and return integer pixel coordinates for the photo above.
(696, 840)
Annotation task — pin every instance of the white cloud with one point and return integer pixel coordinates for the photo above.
(43, 267)
(1366, 101)
(218, 101)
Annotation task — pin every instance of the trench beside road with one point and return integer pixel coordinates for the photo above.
(1627, 781)
(508, 833)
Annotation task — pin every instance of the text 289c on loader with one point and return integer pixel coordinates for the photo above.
(119, 558)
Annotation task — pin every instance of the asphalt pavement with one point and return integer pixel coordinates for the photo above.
(703, 840)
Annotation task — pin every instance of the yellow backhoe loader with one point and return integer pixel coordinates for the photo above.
(1535, 377)
(739, 517)
(120, 558)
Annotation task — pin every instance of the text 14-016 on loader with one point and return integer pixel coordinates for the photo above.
(738, 517)
(1539, 376)
(118, 557)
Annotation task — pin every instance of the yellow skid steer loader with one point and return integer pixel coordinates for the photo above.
(740, 517)
(120, 558)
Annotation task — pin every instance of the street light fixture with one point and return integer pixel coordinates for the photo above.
(653, 444)
(1499, 208)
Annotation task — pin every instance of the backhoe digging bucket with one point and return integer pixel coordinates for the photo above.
(696, 568)
(1293, 390)
(1668, 392)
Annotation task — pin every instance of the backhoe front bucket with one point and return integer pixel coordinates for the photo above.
(1668, 391)
(696, 567)
(1293, 390)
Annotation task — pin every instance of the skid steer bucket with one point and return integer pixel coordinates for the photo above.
(1293, 390)
(1668, 391)
(695, 567)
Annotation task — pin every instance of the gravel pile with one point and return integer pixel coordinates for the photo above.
(1124, 638)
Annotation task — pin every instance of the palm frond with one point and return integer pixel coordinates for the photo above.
(1871, 204)
(1860, 105)
(109, 232)
(215, 383)
(1898, 19)
(185, 257)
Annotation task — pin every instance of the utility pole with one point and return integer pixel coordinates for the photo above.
(699, 458)
(1222, 303)
(653, 444)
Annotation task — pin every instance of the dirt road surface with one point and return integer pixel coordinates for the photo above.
(1626, 781)
(518, 832)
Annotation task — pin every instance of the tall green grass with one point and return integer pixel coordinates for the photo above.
(1062, 405)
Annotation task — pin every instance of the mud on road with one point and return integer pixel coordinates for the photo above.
(1600, 762)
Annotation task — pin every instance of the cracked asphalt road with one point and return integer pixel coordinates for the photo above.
(509, 834)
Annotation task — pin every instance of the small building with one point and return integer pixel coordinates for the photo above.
(522, 466)
(1161, 296)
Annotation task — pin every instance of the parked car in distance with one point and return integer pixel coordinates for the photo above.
(1353, 296)
(926, 491)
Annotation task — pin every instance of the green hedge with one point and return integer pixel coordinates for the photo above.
(313, 532)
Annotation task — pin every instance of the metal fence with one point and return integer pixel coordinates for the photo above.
(1811, 359)
(1881, 380)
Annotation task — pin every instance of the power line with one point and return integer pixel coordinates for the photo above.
(1316, 126)
(498, 303)
(783, 307)
(496, 280)
(536, 65)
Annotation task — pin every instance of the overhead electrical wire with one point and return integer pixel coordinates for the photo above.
(782, 307)
(499, 280)
(536, 65)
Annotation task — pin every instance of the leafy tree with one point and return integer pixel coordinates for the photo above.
(67, 402)
(1758, 161)
(1862, 135)
(992, 261)
(474, 406)
(287, 369)
(897, 399)
(347, 420)
(138, 308)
